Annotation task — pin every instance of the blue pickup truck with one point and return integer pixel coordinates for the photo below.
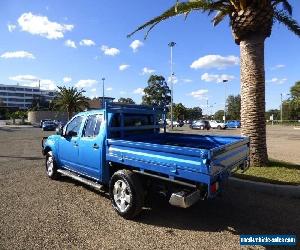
(124, 148)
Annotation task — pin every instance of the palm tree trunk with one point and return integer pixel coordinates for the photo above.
(253, 97)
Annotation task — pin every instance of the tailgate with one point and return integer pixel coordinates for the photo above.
(229, 156)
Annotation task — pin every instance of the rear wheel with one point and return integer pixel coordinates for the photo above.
(51, 166)
(126, 193)
(219, 127)
(201, 127)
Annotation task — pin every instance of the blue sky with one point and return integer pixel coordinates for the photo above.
(76, 43)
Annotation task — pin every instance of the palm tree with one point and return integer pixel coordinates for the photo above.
(251, 22)
(70, 100)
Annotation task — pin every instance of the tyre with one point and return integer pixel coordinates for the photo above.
(219, 127)
(51, 166)
(126, 193)
(201, 127)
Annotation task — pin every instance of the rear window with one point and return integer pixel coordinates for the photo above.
(132, 120)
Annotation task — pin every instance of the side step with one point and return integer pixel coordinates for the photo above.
(80, 178)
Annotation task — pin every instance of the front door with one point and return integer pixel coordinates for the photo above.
(91, 145)
(68, 145)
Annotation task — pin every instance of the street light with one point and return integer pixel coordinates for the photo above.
(103, 79)
(171, 45)
(281, 102)
(224, 81)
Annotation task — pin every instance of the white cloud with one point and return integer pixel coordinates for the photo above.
(216, 78)
(17, 54)
(33, 81)
(123, 92)
(277, 80)
(175, 79)
(110, 51)
(139, 91)
(93, 90)
(278, 66)
(87, 42)
(215, 61)
(70, 43)
(109, 89)
(123, 67)
(11, 27)
(85, 83)
(199, 94)
(40, 25)
(146, 71)
(186, 80)
(135, 45)
(67, 79)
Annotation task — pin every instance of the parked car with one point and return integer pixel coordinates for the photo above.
(120, 147)
(233, 124)
(42, 121)
(217, 124)
(48, 126)
(200, 124)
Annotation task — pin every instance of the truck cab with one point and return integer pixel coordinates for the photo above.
(125, 148)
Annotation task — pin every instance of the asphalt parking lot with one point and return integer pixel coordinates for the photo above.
(37, 213)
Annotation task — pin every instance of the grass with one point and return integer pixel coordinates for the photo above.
(276, 172)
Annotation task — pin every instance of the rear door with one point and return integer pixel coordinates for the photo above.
(91, 146)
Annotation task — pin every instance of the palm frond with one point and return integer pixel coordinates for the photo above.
(219, 17)
(288, 21)
(285, 4)
(178, 9)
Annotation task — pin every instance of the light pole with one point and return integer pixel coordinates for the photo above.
(103, 79)
(224, 81)
(171, 45)
(281, 106)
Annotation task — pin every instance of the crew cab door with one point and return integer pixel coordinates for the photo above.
(91, 146)
(68, 144)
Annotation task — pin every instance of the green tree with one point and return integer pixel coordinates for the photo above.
(14, 116)
(70, 100)
(21, 114)
(179, 111)
(194, 113)
(219, 115)
(157, 92)
(274, 112)
(126, 100)
(295, 90)
(251, 23)
(233, 111)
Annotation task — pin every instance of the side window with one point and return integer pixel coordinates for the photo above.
(92, 126)
(74, 125)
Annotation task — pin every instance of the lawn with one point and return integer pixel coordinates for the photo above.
(276, 172)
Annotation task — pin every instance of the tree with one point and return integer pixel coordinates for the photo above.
(219, 115)
(21, 114)
(194, 113)
(274, 112)
(157, 92)
(126, 100)
(179, 111)
(295, 90)
(70, 100)
(233, 107)
(251, 23)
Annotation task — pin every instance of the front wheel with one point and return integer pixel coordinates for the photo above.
(51, 166)
(126, 193)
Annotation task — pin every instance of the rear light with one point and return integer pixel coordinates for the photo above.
(214, 187)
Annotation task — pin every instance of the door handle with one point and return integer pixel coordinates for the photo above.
(95, 146)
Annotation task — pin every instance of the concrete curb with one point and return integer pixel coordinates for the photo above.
(17, 126)
(273, 189)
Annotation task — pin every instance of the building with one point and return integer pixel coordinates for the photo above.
(22, 97)
(96, 103)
